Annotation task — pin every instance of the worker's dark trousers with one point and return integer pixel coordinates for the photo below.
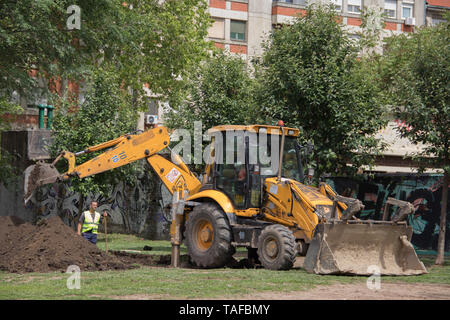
(91, 237)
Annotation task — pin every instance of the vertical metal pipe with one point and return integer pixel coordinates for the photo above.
(280, 163)
(50, 116)
(41, 115)
(175, 230)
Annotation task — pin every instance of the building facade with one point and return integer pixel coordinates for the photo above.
(240, 26)
(434, 11)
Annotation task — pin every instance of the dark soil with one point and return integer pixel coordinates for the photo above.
(50, 246)
(143, 259)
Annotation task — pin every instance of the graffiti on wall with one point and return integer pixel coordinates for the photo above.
(423, 191)
(133, 209)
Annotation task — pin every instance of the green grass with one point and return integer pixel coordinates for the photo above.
(130, 242)
(164, 283)
(170, 283)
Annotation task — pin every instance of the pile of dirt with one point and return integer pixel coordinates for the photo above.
(49, 246)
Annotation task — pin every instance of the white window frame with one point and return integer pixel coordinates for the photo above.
(245, 30)
(390, 6)
(354, 37)
(300, 2)
(337, 4)
(353, 4)
(411, 7)
(214, 36)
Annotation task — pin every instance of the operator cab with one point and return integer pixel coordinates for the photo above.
(244, 156)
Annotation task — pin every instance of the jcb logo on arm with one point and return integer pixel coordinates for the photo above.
(121, 156)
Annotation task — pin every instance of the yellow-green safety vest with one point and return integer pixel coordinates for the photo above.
(89, 223)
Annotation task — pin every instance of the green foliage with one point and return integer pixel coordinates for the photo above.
(148, 41)
(151, 42)
(105, 115)
(8, 111)
(8, 173)
(34, 36)
(220, 92)
(312, 77)
(415, 71)
(164, 42)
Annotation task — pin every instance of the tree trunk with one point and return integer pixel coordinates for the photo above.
(442, 223)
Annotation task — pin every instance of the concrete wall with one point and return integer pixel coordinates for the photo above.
(260, 24)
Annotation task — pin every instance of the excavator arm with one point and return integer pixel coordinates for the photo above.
(120, 151)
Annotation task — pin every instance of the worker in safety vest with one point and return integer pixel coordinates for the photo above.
(88, 223)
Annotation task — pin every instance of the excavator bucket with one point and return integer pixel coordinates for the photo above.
(37, 175)
(363, 248)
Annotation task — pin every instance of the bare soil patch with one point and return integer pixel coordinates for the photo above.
(142, 259)
(387, 291)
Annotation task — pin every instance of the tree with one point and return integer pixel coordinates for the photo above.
(166, 41)
(416, 72)
(311, 76)
(220, 92)
(104, 115)
(35, 41)
(148, 41)
(8, 172)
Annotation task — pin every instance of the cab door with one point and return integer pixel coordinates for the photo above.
(231, 168)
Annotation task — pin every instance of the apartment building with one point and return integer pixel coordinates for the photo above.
(241, 25)
(435, 10)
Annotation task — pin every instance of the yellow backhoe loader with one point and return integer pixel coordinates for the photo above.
(251, 195)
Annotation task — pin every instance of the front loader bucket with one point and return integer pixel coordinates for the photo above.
(363, 248)
(37, 175)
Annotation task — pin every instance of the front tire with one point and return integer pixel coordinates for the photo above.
(208, 236)
(277, 248)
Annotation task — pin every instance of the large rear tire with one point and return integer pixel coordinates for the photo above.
(277, 248)
(208, 236)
